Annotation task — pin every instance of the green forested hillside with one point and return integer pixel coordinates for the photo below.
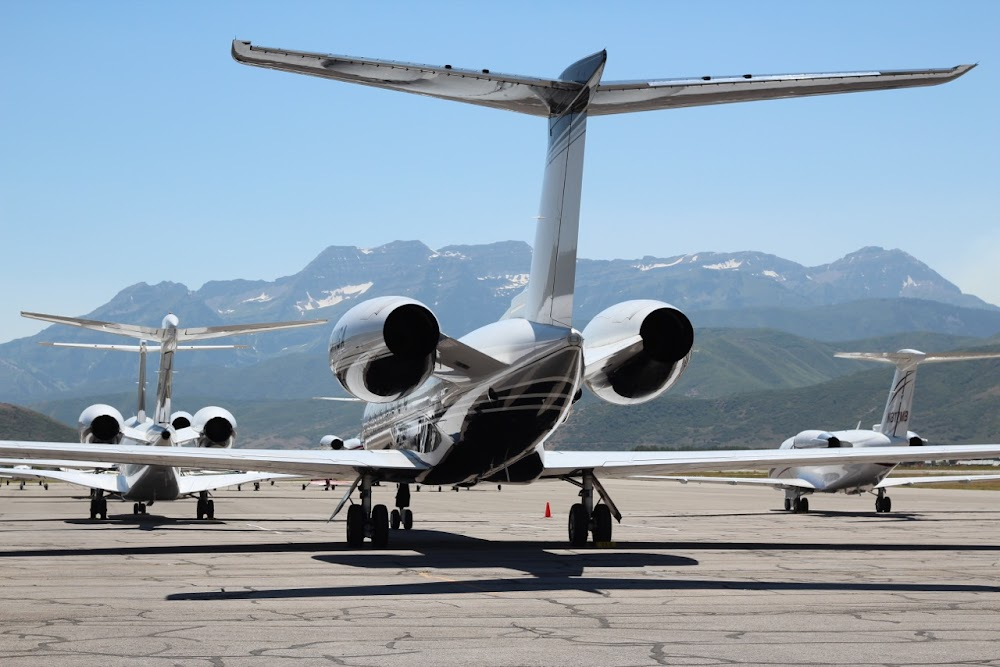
(17, 423)
(954, 403)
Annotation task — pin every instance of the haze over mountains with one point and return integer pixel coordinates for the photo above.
(806, 310)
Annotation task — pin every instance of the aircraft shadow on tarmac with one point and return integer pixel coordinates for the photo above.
(597, 585)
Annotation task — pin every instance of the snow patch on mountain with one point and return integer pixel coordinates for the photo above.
(658, 265)
(728, 265)
(332, 298)
(264, 297)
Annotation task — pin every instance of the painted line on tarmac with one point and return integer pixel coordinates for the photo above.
(635, 525)
(266, 530)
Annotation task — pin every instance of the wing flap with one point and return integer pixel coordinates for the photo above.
(91, 480)
(198, 483)
(934, 479)
(749, 481)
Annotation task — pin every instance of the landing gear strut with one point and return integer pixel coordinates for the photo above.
(206, 506)
(402, 516)
(883, 504)
(363, 520)
(98, 504)
(796, 502)
(586, 518)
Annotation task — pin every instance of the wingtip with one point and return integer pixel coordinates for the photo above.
(239, 49)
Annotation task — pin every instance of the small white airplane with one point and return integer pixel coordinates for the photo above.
(457, 412)
(211, 427)
(855, 478)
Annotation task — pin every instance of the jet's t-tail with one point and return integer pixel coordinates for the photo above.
(899, 405)
(567, 101)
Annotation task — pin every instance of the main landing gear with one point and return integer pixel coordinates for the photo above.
(402, 516)
(206, 506)
(139, 508)
(796, 503)
(366, 521)
(883, 504)
(587, 519)
(98, 504)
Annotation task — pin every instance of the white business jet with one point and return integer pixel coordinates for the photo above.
(854, 478)
(447, 411)
(102, 425)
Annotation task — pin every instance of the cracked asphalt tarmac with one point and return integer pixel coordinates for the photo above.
(697, 576)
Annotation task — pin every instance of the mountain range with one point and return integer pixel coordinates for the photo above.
(763, 325)
(871, 292)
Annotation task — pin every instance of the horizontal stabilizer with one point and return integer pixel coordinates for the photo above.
(149, 348)
(546, 97)
(911, 356)
(161, 334)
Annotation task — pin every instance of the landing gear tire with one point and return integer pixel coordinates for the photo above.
(602, 524)
(355, 525)
(380, 526)
(394, 520)
(883, 504)
(407, 519)
(139, 508)
(209, 509)
(788, 504)
(801, 505)
(578, 527)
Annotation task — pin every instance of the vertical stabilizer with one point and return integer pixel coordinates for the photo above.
(548, 298)
(899, 405)
(141, 408)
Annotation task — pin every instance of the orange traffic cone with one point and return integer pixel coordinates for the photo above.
(548, 511)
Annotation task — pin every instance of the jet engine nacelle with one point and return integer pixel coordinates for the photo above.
(382, 349)
(636, 350)
(100, 424)
(816, 440)
(216, 427)
(335, 443)
(180, 419)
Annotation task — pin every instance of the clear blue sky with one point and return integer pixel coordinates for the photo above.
(135, 149)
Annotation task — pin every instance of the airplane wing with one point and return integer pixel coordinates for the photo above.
(537, 97)
(197, 483)
(315, 464)
(629, 464)
(934, 479)
(56, 463)
(90, 480)
(750, 481)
